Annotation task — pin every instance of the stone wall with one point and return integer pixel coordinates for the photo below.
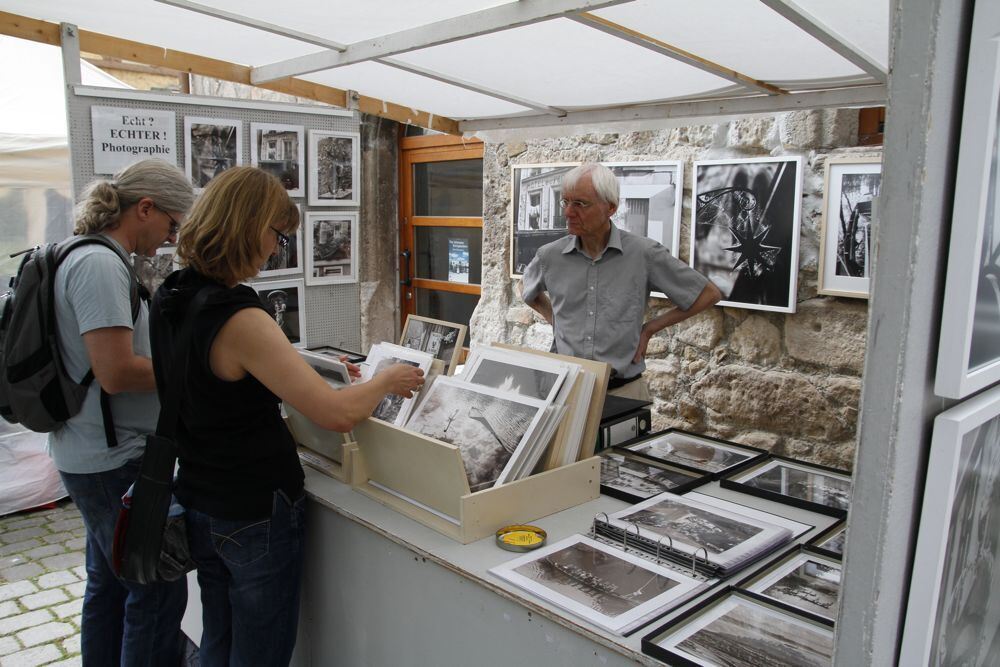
(788, 383)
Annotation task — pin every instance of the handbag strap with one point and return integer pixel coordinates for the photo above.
(170, 405)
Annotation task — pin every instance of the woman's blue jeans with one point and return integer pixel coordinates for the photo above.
(123, 623)
(249, 573)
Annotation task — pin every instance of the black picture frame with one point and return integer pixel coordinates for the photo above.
(758, 454)
(766, 568)
(697, 479)
(727, 482)
(815, 542)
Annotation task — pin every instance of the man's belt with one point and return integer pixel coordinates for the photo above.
(616, 382)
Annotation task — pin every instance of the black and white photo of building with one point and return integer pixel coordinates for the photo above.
(334, 159)
(211, 146)
(537, 216)
(789, 479)
(692, 452)
(694, 526)
(637, 479)
(858, 192)
(649, 200)
(746, 230)
(279, 150)
(812, 585)
(437, 339)
(331, 248)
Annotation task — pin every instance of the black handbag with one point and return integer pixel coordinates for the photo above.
(150, 542)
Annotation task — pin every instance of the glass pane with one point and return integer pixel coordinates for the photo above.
(453, 188)
(450, 253)
(448, 306)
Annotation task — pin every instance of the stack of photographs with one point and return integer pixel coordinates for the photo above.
(394, 409)
(812, 487)
(491, 428)
(601, 584)
(443, 340)
(634, 479)
(831, 541)
(714, 536)
(801, 580)
(733, 628)
(330, 368)
(695, 452)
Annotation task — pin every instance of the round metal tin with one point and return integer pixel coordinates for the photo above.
(520, 538)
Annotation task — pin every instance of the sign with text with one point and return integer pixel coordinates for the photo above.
(124, 136)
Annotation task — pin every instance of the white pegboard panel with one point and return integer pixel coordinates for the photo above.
(333, 312)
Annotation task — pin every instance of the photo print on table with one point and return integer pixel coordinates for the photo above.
(832, 541)
(804, 580)
(694, 452)
(597, 582)
(331, 247)
(211, 146)
(745, 235)
(393, 408)
(280, 151)
(536, 216)
(633, 479)
(800, 481)
(284, 300)
(287, 260)
(437, 337)
(335, 163)
(736, 631)
(852, 188)
(485, 424)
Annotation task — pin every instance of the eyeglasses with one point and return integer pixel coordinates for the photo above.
(283, 240)
(575, 203)
(174, 225)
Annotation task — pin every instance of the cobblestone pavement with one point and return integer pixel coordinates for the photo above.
(42, 578)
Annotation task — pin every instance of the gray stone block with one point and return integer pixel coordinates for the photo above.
(19, 547)
(9, 626)
(12, 536)
(16, 590)
(72, 608)
(45, 634)
(9, 645)
(9, 608)
(53, 579)
(19, 572)
(63, 561)
(46, 550)
(38, 655)
(43, 599)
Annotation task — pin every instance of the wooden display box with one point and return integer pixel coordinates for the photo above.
(328, 451)
(428, 484)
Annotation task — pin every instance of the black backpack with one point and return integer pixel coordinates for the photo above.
(35, 389)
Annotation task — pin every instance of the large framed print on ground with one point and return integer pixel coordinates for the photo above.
(953, 617)
(287, 260)
(969, 348)
(284, 300)
(335, 168)
(442, 339)
(536, 216)
(804, 581)
(730, 628)
(809, 486)
(280, 150)
(331, 247)
(745, 235)
(845, 260)
(211, 145)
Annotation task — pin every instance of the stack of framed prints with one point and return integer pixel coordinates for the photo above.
(695, 452)
(845, 259)
(393, 408)
(443, 340)
(634, 479)
(809, 486)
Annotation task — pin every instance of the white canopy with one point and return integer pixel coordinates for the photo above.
(528, 63)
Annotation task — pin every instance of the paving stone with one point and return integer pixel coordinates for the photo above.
(41, 552)
(9, 608)
(63, 561)
(9, 645)
(27, 522)
(66, 524)
(19, 572)
(72, 645)
(12, 536)
(71, 608)
(7, 562)
(45, 634)
(39, 655)
(58, 538)
(77, 543)
(75, 661)
(53, 579)
(17, 589)
(15, 623)
(76, 590)
(78, 532)
(19, 547)
(80, 571)
(76, 620)
(43, 599)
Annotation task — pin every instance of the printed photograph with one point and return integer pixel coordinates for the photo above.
(287, 260)
(487, 428)
(641, 480)
(439, 340)
(211, 145)
(806, 582)
(693, 526)
(745, 633)
(692, 452)
(537, 218)
(284, 301)
(388, 409)
(857, 192)
(152, 271)
(280, 150)
(835, 542)
(985, 346)
(334, 158)
(511, 377)
(795, 481)
(746, 230)
(649, 200)
(331, 248)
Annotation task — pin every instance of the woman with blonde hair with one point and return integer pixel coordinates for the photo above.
(240, 480)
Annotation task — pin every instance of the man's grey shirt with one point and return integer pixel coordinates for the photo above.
(599, 305)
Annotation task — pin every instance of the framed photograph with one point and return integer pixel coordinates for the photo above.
(487, 425)
(288, 260)
(285, 301)
(330, 368)
(969, 349)
(953, 617)
(394, 408)
(812, 487)
(603, 585)
(335, 162)
(211, 145)
(331, 247)
(337, 353)
(633, 479)
(745, 234)
(831, 541)
(442, 339)
(695, 452)
(845, 241)
(152, 271)
(731, 628)
(803, 581)
(537, 376)
(536, 216)
(280, 150)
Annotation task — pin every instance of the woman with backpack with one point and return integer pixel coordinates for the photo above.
(103, 326)
(240, 480)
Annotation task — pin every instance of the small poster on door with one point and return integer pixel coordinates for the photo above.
(458, 260)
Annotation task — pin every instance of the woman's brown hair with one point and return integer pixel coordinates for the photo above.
(224, 233)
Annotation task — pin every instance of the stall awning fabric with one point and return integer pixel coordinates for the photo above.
(528, 63)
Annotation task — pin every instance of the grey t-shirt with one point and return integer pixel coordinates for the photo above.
(92, 292)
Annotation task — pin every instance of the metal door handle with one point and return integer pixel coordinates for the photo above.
(406, 263)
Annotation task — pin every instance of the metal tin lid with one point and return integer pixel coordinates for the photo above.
(520, 538)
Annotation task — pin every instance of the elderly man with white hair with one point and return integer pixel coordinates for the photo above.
(598, 280)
